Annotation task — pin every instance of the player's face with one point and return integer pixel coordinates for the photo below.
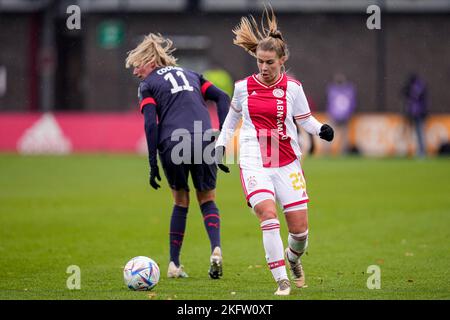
(269, 65)
(143, 71)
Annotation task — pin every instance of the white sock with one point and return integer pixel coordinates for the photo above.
(297, 245)
(273, 245)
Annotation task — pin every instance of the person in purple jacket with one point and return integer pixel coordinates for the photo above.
(415, 95)
(172, 100)
(341, 104)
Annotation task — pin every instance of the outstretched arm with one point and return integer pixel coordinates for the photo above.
(314, 127)
(310, 124)
(222, 102)
(226, 133)
(303, 118)
(229, 126)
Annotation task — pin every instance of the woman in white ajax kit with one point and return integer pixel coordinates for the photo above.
(272, 105)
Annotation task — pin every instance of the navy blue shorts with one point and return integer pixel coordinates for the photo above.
(177, 174)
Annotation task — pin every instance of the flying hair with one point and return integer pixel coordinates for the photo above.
(268, 38)
(154, 48)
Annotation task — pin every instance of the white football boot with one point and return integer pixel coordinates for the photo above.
(215, 268)
(284, 287)
(297, 272)
(176, 272)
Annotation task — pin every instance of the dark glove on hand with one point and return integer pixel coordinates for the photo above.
(154, 174)
(219, 153)
(326, 132)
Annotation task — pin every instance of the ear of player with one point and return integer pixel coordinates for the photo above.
(219, 153)
(326, 132)
(154, 174)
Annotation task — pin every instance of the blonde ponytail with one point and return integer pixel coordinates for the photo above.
(269, 38)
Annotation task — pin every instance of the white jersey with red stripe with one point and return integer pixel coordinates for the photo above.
(268, 136)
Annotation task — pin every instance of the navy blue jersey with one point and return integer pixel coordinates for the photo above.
(178, 96)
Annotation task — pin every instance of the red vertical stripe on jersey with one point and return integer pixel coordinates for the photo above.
(267, 107)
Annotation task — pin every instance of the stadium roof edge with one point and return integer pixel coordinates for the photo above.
(338, 6)
(228, 6)
(23, 5)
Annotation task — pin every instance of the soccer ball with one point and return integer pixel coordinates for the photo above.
(141, 273)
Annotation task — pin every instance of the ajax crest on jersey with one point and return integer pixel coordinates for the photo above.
(278, 93)
(251, 182)
(141, 273)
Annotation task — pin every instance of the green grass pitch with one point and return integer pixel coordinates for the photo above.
(97, 212)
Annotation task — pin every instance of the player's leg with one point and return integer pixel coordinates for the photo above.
(204, 176)
(297, 221)
(259, 193)
(290, 187)
(211, 220)
(178, 224)
(177, 177)
(273, 245)
(176, 233)
(211, 216)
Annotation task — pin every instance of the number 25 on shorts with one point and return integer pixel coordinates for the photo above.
(298, 182)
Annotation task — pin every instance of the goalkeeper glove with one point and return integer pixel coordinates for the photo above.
(154, 174)
(219, 153)
(326, 132)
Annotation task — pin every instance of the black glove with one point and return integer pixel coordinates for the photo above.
(219, 153)
(326, 132)
(154, 174)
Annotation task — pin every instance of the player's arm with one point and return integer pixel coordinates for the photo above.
(229, 126)
(232, 119)
(211, 92)
(148, 109)
(303, 118)
(151, 133)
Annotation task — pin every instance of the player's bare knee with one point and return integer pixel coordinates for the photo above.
(266, 214)
(206, 196)
(297, 221)
(270, 214)
(298, 229)
(181, 198)
(297, 226)
(182, 202)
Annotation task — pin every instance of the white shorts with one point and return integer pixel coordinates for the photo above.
(285, 184)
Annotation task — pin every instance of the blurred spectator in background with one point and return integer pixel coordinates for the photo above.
(415, 95)
(341, 103)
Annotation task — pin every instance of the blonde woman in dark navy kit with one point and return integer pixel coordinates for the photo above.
(172, 100)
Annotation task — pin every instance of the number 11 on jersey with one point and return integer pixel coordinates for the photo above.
(175, 86)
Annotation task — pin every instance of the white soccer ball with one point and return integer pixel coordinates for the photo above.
(141, 273)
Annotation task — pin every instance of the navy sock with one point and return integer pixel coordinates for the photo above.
(177, 228)
(211, 220)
